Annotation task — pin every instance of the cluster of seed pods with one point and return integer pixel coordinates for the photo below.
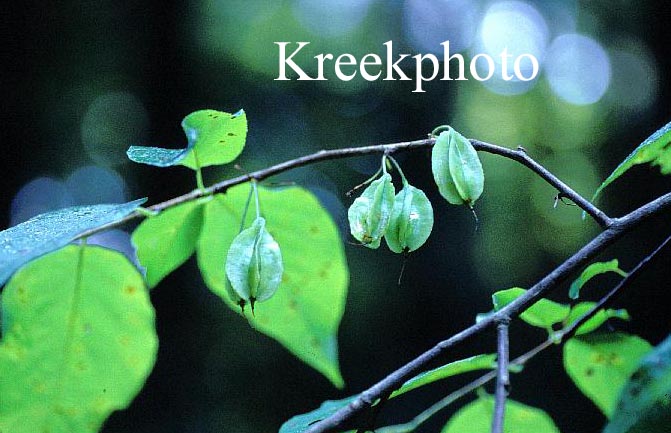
(405, 220)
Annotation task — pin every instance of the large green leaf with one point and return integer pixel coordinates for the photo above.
(51, 231)
(305, 312)
(167, 240)
(213, 138)
(595, 321)
(601, 364)
(645, 402)
(542, 314)
(655, 150)
(78, 341)
(476, 417)
(592, 271)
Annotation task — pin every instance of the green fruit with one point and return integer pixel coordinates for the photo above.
(370, 213)
(411, 220)
(456, 168)
(254, 264)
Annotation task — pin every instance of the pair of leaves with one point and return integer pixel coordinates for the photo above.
(645, 402)
(305, 312)
(78, 341)
(545, 313)
(51, 231)
(301, 423)
(213, 138)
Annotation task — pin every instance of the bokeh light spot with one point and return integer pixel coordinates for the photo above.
(428, 23)
(331, 18)
(40, 195)
(521, 30)
(113, 122)
(93, 185)
(578, 69)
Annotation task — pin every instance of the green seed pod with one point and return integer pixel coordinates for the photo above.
(370, 213)
(411, 220)
(456, 168)
(254, 264)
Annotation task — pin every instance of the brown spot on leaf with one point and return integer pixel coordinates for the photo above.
(129, 290)
(231, 134)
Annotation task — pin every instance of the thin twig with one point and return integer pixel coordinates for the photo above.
(502, 376)
(556, 338)
(518, 155)
(608, 299)
(617, 228)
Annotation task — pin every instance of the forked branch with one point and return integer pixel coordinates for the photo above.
(615, 230)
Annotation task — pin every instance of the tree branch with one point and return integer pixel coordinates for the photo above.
(502, 376)
(616, 229)
(518, 155)
(557, 337)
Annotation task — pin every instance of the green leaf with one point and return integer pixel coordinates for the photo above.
(474, 363)
(78, 341)
(645, 402)
(654, 150)
(601, 364)
(167, 240)
(301, 423)
(476, 417)
(542, 314)
(305, 312)
(213, 138)
(597, 320)
(592, 271)
(51, 231)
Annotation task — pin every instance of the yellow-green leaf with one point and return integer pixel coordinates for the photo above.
(213, 138)
(476, 417)
(306, 310)
(78, 341)
(542, 314)
(654, 150)
(167, 240)
(601, 364)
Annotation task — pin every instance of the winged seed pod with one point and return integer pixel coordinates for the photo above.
(370, 213)
(254, 264)
(411, 220)
(456, 168)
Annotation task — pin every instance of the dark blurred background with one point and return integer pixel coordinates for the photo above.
(83, 80)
